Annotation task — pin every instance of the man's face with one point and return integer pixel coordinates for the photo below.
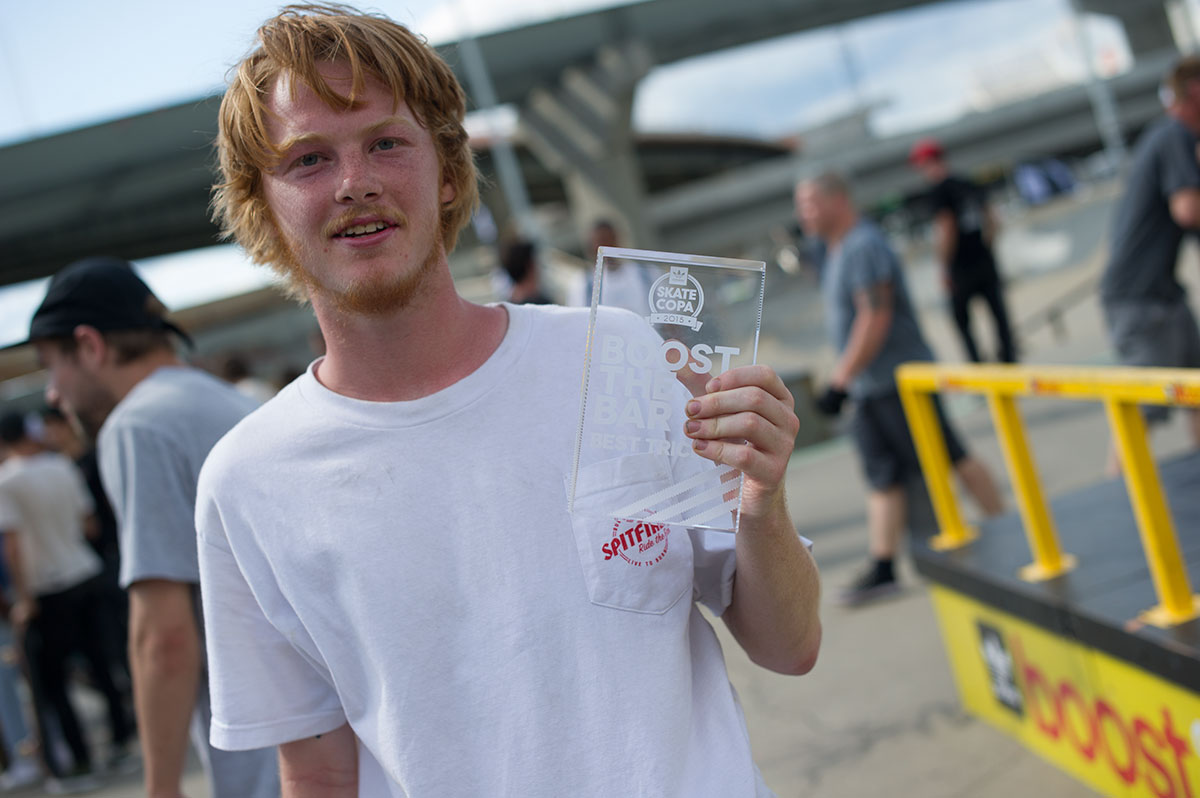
(813, 210)
(356, 197)
(74, 388)
(1186, 106)
(929, 168)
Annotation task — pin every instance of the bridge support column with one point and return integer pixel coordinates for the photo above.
(581, 129)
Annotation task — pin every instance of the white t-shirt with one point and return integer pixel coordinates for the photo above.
(44, 499)
(411, 568)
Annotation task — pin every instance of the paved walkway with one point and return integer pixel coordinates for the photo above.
(879, 715)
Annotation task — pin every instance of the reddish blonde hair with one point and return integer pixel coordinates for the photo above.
(298, 41)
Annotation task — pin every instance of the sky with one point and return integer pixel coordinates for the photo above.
(71, 63)
(66, 63)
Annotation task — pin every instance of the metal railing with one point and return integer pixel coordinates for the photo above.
(1121, 390)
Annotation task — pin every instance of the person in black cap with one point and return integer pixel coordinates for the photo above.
(107, 346)
(964, 228)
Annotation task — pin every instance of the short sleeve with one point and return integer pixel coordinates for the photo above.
(264, 691)
(714, 563)
(1178, 167)
(152, 492)
(869, 262)
(940, 199)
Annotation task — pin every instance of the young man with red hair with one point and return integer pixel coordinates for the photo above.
(394, 590)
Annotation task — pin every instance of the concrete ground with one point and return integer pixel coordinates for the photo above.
(879, 715)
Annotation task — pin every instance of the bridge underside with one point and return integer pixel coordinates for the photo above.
(139, 187)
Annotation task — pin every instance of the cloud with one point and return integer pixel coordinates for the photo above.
(753, 90)
(919, 66)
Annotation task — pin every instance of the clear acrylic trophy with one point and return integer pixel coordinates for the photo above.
(662, 326)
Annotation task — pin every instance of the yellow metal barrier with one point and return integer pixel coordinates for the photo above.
(1121, 390)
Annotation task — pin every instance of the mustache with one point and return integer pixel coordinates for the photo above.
(392, 216)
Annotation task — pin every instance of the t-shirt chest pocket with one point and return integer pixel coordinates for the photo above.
(629, 564)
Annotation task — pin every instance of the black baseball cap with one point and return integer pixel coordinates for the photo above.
(102, 292)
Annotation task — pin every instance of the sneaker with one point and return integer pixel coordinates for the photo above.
(23, 773)
(79, 781)
(867, 588)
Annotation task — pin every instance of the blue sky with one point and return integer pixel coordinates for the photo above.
(66, 63)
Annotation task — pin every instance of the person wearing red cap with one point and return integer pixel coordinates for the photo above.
(963, 229)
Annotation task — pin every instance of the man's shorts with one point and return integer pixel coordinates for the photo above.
(1158, 334)
(885, 444)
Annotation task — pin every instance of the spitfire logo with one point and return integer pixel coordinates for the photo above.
(676, 298)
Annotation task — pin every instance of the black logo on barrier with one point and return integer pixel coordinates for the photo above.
(1001, 669)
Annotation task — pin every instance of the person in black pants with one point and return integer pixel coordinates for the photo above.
(68, 622)
(57, 589)
(963, 236)
(62, 437)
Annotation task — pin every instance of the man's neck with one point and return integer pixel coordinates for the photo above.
(835, 236)
(125, 377)
(1188, 117)
(435, 341)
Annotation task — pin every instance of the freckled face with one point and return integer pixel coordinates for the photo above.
(356, 197)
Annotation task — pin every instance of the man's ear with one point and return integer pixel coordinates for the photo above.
(90, 347)
(448, 193)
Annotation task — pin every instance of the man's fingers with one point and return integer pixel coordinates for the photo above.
(752, 427)
(752, 376)
(744, 400)
(760, 466)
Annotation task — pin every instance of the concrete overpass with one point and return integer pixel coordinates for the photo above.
(139, 186)
(735, 212)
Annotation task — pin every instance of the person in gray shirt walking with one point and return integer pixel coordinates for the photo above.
(106, 344)
(1145, 307)
(872, 325)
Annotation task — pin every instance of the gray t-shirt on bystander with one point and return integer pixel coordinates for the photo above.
(151, 449)
(862, 259)
(1145, 239)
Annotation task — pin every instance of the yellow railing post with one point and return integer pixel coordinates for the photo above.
(935, 465)
(1176, 602)
(1048, 559)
